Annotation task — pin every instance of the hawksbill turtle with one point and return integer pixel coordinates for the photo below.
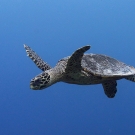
(81, 69)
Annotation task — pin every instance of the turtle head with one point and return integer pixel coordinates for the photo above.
(41, 81)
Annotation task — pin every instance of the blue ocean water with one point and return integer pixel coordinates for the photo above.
(55, 29)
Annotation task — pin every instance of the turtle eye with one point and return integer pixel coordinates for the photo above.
(37, 81)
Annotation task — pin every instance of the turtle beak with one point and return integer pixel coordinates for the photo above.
(31, 86)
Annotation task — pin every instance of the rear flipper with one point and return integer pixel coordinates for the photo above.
(110, 88)
(131, 78)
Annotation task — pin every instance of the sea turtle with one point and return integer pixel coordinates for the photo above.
(82, 69)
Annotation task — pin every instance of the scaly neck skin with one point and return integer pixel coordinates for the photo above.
(56, 74)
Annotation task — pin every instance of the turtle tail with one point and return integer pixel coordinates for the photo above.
(131, 78)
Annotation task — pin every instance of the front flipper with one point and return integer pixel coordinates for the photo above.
(36, 59)
(74, 62)
(110, 88)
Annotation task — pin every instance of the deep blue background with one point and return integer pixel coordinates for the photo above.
(55, 29)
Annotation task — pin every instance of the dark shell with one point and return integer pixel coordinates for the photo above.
(102, 65)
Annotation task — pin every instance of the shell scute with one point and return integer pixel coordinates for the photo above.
(102, 65)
